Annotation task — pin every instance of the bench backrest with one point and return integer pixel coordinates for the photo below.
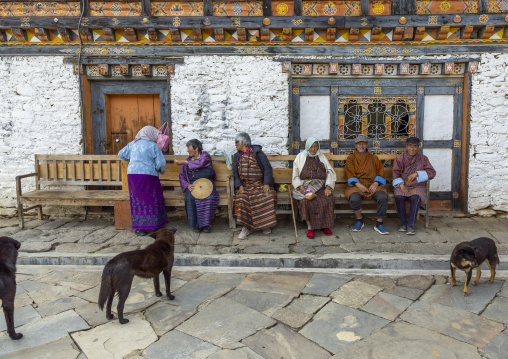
(171, 176)
(79, 170)
(285, 175)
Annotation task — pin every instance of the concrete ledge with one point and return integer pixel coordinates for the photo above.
(398, 261)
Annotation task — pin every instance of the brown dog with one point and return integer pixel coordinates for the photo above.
(469, 255)
(8, 256)
(119, 272)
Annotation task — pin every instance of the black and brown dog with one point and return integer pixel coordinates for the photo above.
(119, 272)
(8, 257)
(469, 255)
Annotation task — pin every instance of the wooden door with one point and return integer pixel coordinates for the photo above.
(126, 114)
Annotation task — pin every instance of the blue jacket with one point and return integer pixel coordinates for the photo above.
(144, 157)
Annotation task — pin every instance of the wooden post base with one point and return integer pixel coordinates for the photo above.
(123, 215)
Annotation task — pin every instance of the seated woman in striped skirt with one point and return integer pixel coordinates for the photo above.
(200, 212)
(255, 197)
(314, 180)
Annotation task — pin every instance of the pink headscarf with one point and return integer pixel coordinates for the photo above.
(149, 133)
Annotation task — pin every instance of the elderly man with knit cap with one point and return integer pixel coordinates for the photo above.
(411, 170)
(365, 176)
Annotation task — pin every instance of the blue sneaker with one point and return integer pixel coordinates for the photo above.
(358, 226)
(381, 229)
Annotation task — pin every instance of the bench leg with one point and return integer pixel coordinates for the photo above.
(20, 216)
(40, 215)
(427, 216)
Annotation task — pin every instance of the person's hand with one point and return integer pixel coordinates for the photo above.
(404, 190)
(266, 188)
(412, 177)
(181, 162)
(361, 187)
(328, 191)
(302, 189)
(190, 187)
(241, 189)
(373, 187)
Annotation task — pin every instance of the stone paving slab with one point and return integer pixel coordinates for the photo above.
(266, 303)
(60, 349)
(291, 317)
(479, 296)
(225, 328)
(336, 326)
(286, 284)
(355, 294)
(178, 345)
(23, 315)
(240, 353)
(324, 284)
(497, 310)
(498, 348)
(456, 323)
(405, 292)
(44, 331)
(402, 340)
(114, 340)
(386, 306)
(281, 342)
(308, 304)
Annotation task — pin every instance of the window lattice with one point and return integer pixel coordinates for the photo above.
(380, 118)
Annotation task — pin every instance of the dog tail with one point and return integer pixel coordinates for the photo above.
(106, 285)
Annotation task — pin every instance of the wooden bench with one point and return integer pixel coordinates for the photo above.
(285, 175)
(73, 172)
(175, 197)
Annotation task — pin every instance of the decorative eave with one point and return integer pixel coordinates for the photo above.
(112, 24)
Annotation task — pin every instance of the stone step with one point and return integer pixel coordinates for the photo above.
(392, 261)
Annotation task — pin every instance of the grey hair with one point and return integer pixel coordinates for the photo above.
(244, 138)
(196, 144)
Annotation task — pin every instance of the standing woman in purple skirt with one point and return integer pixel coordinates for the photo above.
(146, 161)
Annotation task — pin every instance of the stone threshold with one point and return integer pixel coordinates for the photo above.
(393, 261)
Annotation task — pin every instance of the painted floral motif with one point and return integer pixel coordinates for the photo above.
(282, 9)
(432, 20)
(329, 9)
(237, 8)
(445, 6)
(190, 8)
(484, 18)
(105, 8)
(176, 9)
(498, 6)
(378, 8)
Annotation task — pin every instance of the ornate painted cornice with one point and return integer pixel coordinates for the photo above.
(267, 26)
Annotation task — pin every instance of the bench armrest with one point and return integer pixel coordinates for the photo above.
(18, 184)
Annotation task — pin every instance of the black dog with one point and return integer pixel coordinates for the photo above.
(8, 256)
(469, 255)
(119, 272)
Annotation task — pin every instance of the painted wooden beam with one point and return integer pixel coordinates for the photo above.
(442, 32)
(419, 33)
(86, 34)
(65, 34)
(3, 36)
(145, 6)
(264, 34)
(152, 34)
(126, 70)
(146, 70)
(42, 34)
(196, 34)
(397, 33)
(465, 32)
(131, 34)
(297, 7)
(376, 33)
(19, 34)
(287, 34)
(108, 34)
(354, 34)
(105, 70)
(309, 34)
(207, 7)
(330, 34)
(484, 6)
(175, 35)
(364, 4)
(161, 22)
(242, 34)
(403, 7)
(408, 33)
(267, 7)
(219, 34)
(486, 32)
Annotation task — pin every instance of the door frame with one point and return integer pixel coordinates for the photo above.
(100, 89)
(381, 87)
